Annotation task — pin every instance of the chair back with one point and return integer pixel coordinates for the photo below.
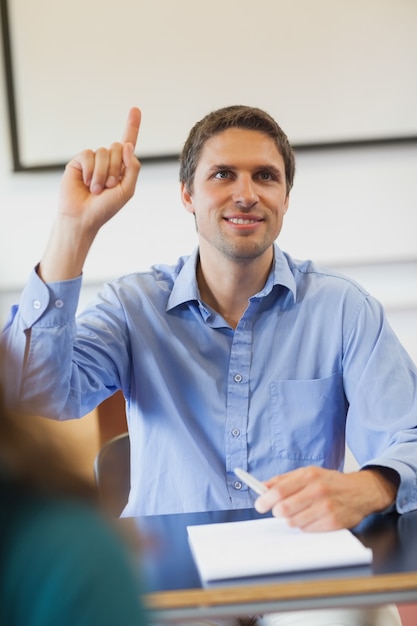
(112, 474)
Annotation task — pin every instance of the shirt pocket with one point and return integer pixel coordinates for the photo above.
(308, 421)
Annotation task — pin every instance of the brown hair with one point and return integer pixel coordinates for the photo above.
(32, 460)
(236, 116)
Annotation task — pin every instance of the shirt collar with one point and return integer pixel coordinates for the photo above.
(185, 288)
(281, 273)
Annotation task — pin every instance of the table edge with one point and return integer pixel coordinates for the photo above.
(215, 596)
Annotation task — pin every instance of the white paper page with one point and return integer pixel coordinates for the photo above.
(270, 546)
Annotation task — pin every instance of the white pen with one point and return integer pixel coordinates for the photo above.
(251, 481)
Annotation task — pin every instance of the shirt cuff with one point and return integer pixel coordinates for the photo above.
(49, 304)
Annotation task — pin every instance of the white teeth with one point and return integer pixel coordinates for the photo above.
(240, 220)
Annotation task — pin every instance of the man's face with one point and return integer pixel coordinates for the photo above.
(239, 194)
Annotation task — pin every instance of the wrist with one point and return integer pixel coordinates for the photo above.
(386, 483)
(66, 251)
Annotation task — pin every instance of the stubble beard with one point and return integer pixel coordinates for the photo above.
(243, 250)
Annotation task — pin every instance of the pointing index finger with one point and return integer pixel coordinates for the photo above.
(132, 126)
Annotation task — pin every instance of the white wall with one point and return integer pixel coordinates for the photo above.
(354, 209)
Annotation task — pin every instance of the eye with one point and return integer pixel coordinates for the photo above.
(222, 174)
(266, 176)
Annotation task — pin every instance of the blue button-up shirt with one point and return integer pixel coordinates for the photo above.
(313, 361)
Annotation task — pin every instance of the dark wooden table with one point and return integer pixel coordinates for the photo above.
(175, 591)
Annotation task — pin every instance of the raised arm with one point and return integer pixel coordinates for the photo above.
(95, 186)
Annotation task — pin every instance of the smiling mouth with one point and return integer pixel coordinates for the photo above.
(241, 220)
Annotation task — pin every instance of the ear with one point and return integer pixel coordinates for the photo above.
(286, 203)
(187, 198)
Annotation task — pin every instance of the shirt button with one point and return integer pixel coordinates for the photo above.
(238, 485)
(59, 304)
(36, 304)
(238, 378)
(235, 432)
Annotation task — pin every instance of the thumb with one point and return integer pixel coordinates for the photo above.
(132, 168)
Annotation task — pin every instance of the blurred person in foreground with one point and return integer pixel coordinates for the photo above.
(61, 562)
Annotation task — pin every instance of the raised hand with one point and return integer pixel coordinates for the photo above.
(95, 186)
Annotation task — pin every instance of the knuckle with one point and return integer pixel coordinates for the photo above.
(320, 490)
(86, 154)
(285, 509)
(312, 472)
(277, 511)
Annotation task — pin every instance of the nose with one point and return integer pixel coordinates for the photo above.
(244, 192)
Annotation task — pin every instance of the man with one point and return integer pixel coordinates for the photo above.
(236, 356)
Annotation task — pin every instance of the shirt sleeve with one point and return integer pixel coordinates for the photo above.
(45, 373)
(380, 381)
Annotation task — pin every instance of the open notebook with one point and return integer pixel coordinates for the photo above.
(270, 546)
